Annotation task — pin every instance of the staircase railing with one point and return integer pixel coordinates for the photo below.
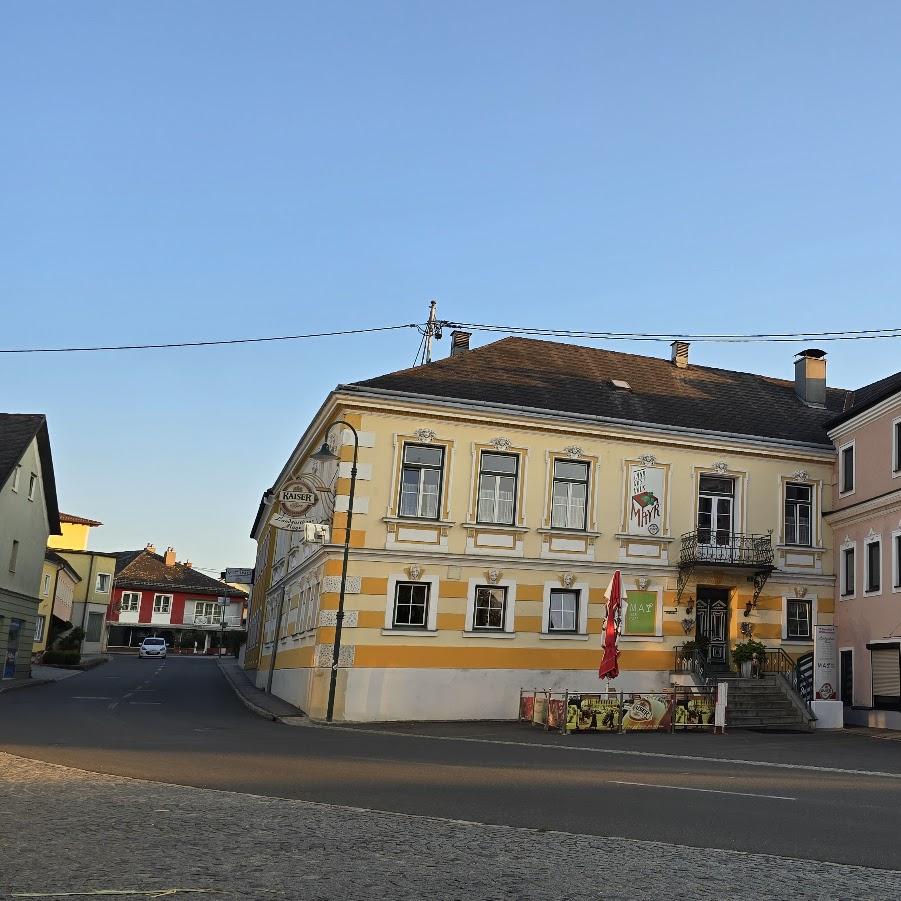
(693, 661)
(778, 662)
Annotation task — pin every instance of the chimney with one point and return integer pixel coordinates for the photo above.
(680, 354)
(150, 548)
(459, 342)
(170, 556)
(188, 564)
(810, 377)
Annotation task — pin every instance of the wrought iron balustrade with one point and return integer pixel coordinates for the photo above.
(693, 660)
(711, 547)
(217, 621)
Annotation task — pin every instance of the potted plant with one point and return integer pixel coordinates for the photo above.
(743, 655)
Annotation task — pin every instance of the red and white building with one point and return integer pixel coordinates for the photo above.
(155, 595)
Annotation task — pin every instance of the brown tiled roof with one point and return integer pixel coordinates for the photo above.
(78, 520)
(141, 569)
(17, 430)
(571, 379)
(868, 396)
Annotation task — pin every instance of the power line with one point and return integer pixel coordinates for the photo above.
(68, 350)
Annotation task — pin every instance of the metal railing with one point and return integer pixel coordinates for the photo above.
(778, 662)
(693, 661)
(217, 621)
(720, 548)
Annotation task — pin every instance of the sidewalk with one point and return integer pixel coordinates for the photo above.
(261, 703)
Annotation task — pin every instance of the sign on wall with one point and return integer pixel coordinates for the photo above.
(241, 575)
(824, 663)
(645, 499)
(641, 613)
(300, 501)
(646, 712)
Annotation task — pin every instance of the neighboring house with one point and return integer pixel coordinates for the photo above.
(58, 581)
(497, 492)
(28, 515)
(74, 534)
(153, 594)
(866, 521)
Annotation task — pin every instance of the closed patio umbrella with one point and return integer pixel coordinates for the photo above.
(609, 668)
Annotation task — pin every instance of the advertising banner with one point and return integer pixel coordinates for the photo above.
(824, 663)
(539, 710)
(526, 707)
(645, 500)
(593, 713)
(556, 712)
(647, 712)
(694, 711)
(641, 613)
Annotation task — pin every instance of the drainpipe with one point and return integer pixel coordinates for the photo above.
(84, 611)
(278, 629)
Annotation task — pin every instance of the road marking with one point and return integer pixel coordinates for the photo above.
(712, 791)
(147, 703)
(91, 698)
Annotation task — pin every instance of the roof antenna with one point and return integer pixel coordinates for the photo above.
(432, 329)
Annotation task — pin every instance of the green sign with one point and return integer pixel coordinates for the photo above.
(641, 614)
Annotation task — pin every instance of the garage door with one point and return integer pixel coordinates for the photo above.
(886, 677)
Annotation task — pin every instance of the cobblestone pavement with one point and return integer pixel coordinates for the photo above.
(64, 831)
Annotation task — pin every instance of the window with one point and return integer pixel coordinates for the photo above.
(897, 561)
(13, 556)
(873, 577)
(563, 613)
(39, 628)
(130, 602)
(45, 587)
(570, 495)
(420, 484)
(715, 495)
(798, 514)
(490, 608)
(847, 469)
(896, 446)
(847, 571)
(32, 486)
(797, 619)
(95, 627)
(103, 580)
(411, 605)
(211, 611)
(15, 484)
(162, 603)
(497, 488)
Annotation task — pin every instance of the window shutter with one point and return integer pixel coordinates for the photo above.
(886, 672)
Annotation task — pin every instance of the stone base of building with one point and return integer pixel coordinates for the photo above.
(874, 719)
(385, 695)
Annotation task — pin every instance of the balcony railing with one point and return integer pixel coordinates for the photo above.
(713, 547)
(217, 621)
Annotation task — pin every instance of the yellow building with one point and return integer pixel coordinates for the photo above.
(497, 492)
(57, 593)
(76, 531)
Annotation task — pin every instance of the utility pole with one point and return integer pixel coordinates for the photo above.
(430, 330)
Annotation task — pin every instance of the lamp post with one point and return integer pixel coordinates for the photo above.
(326, 454)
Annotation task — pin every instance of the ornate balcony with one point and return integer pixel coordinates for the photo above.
(716, 548)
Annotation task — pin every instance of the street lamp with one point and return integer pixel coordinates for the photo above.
(323, 455)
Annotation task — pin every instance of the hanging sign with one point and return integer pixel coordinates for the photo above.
(824, 663)
(645, 499)
(297, 504)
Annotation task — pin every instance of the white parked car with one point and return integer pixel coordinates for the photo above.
(152, 647)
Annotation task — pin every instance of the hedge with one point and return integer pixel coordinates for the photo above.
(62, 658)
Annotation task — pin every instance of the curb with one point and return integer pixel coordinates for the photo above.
(33, 683)
(254, 708)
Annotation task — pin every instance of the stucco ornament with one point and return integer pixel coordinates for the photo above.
(493, 576)
(426, 435)
(642, 584)
(800, 591)
(414, 572)
(720, 467)
(501, 444)
(647, 459)
(567, 580)
(872, 534)
(573, 451)
(801, 475)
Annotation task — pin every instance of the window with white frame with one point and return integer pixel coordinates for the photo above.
(848, 570)
(15, 482)
(497, 487)
(33, 486)
(873, 566)
(45, 585)
(411, 605)
(798, 514)
(420, 483)
(211, 611)
(798, 619)
(570, 495)
(103, 581)
(39, 628)
(563, 611)
(162, 603)
(846, 467)
(130, 602)
(896, 560)
(314, 606)
(896, 447)
(13, 556)
(489, 608)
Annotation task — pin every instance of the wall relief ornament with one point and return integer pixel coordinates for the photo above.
(567, 580)
(493, 576)
(642, 584)
(414, 572)
(501, 444)
(800, 591)
(426, 435)
(872, 535)
(800, 475)
(647, 459)
(573, 451)
(720, 467)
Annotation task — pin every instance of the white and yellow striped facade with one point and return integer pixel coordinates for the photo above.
(449, 670)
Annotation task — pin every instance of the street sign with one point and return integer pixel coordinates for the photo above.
(241, 575)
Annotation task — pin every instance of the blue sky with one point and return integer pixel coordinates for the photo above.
(183, 170)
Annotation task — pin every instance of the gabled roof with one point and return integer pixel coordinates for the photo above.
(141, 569)
(17, 431)
(52, 557)
(571, 379)
(78, 520)
(868, 396)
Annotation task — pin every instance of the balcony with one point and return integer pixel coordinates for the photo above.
(706, 547)
(218, 622)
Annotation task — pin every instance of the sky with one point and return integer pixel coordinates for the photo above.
(206, 170)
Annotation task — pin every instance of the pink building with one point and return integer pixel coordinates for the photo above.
(866, 525)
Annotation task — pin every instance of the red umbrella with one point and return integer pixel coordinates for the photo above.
(609, 668)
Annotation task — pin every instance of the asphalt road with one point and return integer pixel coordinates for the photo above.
(819, 797)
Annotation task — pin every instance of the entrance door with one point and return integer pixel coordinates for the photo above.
(12, 648)
(712, 621)
(847, 677)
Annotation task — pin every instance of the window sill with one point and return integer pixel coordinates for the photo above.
(641, 638)
(847, 597)
(801, 547)
(421, 633)
(628, 536)
(417, 521)
(804, 641)
(575, 533)
(495, 526)
(562, 636)
(487, 633)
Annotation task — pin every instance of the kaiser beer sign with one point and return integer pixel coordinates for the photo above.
(295, 504)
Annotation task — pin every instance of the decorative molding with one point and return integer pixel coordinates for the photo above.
(642, 584)
(426, 435)
(493, 576)
(720, 467)
(330, 618)
(414, 572)
(647, 459)
(325, 654)
(800, 591)
(687, 624)
(873, 535)
(567, 580)
(501, 444)
(573, 451)
(332, 584)
(801, 475)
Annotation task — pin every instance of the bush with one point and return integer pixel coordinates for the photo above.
(72, 640)
(745, 650)
(61, 658)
